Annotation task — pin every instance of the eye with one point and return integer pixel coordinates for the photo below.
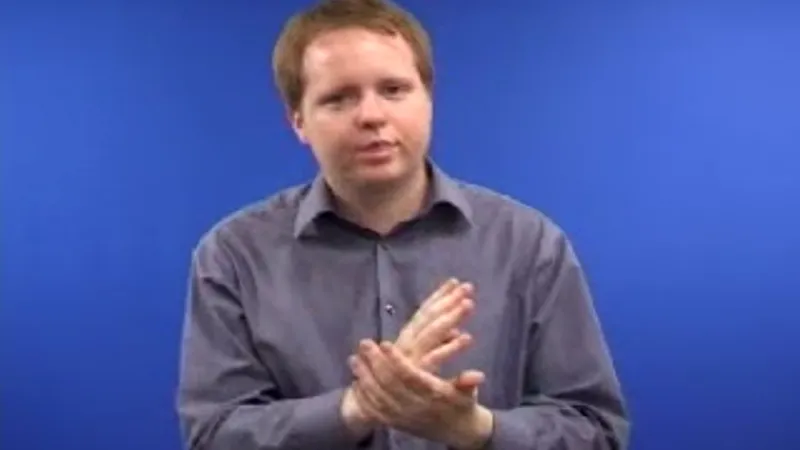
(332, 99)
(395, 89)
(338, 96)
(338, 101)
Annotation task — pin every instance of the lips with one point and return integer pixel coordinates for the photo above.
(376, 146)
(376, 152)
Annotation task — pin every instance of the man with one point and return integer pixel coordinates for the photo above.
(385, 304)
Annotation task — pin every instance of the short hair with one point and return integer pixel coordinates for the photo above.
(381, 16)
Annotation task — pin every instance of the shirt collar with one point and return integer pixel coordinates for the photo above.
(318, 201)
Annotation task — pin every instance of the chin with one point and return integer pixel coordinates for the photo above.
(381, 174)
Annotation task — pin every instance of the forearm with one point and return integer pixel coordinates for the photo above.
(558, 426)
(228, 396)
(571, 397)
(309, 423)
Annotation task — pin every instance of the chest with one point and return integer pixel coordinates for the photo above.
(310, 309)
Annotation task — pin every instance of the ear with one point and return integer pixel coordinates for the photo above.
(296, 121)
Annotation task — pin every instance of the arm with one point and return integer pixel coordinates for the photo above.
(572, 398)
(226, 396)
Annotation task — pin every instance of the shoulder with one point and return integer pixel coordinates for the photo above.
(499, 212)
(538, 248)
(267, 221)
(527, 235)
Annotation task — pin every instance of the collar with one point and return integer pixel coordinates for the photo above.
(318, 199)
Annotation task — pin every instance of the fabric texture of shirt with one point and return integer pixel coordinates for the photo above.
(282, 290)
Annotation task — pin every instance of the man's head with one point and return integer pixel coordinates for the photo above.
(357, 77)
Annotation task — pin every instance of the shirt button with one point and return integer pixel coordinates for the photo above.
(389, 309)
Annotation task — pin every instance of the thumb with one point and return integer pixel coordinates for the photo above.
(469, 380)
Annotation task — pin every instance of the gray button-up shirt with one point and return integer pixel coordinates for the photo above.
(282, 291)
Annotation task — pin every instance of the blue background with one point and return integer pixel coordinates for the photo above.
(663, 137)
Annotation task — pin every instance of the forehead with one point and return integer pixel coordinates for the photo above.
(352, 54)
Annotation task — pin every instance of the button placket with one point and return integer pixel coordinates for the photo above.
(387, 293)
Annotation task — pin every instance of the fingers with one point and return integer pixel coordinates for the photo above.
(395, 391)
(443, 298)
(444, 304)
(446, 314)
(424, 383)
(384, 374)
(432, 336)
(460, 393)
(432, 360)
(371, 395)
(469, 380)
(452, 334)
(428, 385)
(436, 332)
(365, 401)
(441, 291)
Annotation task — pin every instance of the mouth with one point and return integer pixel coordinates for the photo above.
(376, 152)
(377, 146)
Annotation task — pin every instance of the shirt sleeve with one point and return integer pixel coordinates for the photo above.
(226, 397)
(572, 398)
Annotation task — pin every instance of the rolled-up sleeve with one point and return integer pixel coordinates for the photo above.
(227, 398)
(572, 398)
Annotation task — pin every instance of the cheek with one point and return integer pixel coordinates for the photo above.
(323, 135)
(416, 130)
(329, 145)
(418, 120)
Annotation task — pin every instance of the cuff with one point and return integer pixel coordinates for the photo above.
(319, 423)
(509, 432)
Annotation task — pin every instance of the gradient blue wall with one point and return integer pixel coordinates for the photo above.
(664, 139)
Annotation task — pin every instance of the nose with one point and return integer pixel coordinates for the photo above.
(371, 111)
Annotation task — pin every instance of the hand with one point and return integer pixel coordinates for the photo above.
(354, 417)
(437, 316)
(432, 336)
(428, 339)
(399, 394)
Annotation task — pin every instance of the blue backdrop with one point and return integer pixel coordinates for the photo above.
(663, 137)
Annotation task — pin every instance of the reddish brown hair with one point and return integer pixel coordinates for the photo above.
(381, 16)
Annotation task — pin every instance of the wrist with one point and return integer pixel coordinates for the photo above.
(476, 430)
(354, 417)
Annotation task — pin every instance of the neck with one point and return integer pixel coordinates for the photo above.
(381, 210)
